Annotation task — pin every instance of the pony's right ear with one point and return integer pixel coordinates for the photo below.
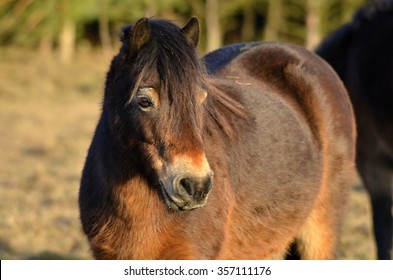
(191, 31)
(139, 35)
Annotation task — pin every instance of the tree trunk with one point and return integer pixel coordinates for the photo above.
(248, 28)
(46, 46)
(213, 30)
(67, 41)
(274, 20)
(105, 37)
(313, 36)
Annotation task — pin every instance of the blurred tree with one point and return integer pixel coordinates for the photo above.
(213, 28)
(243, 20)
(334, 13)
(103, 27)
(306, 22)
(248, 27)
(274, 20)
(61, 24)
(44, 23)
(294, 28)
(313, 28)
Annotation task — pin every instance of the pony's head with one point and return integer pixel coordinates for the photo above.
(155, 95)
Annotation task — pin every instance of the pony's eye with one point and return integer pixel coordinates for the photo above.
(145, 102)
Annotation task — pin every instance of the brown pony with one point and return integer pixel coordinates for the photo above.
(245, 154)
(361, 52)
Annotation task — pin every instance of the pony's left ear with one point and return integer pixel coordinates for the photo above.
(191, 31)
(140, 35)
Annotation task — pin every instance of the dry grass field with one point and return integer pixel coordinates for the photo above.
(48, 113)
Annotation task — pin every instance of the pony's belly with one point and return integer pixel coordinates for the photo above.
(256, 249)
(276, 192)
(265, 235)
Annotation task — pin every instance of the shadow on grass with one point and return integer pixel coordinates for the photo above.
(48, 255)
(6, 251)
(359, 188)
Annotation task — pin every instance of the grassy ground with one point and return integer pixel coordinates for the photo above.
(48, 113)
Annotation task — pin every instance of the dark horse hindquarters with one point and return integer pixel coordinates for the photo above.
(362, 54)
(271, 121)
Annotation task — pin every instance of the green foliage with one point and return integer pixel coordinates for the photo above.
(27, 22)
(337, 12)
(30, 22)
(293, 28)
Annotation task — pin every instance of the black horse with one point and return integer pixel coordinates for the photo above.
(361, 52)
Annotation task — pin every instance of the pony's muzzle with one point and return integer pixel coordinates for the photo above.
(193, 188)
(189, 192)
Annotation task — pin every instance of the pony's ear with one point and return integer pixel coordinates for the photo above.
(140, 35)
(191, 31)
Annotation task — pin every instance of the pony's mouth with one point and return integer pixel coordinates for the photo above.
(175, 203)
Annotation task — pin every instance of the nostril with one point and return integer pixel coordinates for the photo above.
(207, 184)
(187, 185)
